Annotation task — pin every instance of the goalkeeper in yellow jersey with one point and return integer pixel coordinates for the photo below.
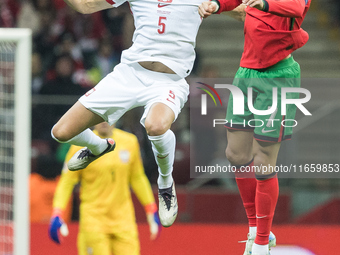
(107, 219)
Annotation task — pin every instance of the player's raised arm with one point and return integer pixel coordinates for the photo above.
(88, 6)
(285, 8)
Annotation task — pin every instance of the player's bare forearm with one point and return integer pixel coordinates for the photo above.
(238, 13)
(88, 6)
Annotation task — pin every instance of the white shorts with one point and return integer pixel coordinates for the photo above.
(130, 86)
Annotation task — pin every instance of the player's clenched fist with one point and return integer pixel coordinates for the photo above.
(207, 8)
(258, 4)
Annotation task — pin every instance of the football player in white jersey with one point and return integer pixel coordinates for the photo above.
(151, 74)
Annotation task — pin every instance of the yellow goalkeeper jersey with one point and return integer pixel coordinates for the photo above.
(106, 204)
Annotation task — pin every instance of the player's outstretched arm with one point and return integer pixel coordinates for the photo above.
(88, 6)
(238, 13)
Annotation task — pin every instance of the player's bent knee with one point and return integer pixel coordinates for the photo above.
(156, 129)
(235, 158)
(59, 134)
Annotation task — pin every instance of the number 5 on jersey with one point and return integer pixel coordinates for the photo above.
(161, 25)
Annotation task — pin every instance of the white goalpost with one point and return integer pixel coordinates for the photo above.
(15, 139)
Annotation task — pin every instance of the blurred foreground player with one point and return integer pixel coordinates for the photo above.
(151, 74)
(272, 32)
(107, 219)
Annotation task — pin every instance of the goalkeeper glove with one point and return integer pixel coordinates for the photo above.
(57, 225)
(153, 220)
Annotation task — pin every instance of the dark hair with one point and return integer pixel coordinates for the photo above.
(48, 166)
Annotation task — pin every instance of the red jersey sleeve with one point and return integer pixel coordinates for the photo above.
(228, 5)
(286, 8)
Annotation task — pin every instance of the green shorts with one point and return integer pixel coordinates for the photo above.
(273, 127)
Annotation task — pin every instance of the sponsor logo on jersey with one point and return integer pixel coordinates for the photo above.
(162, 5)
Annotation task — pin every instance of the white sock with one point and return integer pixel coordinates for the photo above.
(163, 147)
(252, 232)
(87, 139)
(260, 249)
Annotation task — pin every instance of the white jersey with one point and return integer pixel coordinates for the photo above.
(165, 32)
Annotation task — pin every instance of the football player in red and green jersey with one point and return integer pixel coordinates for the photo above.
(272, 32)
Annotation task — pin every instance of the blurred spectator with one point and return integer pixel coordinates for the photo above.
(28, 17)
(114, 20)
(104, 61)
(42, 186)
(45, 39)
(85, 29)
(8, 13)
(43, 5)
(81, 26)
(32, 13)
(37, 74)
(68, 45)
(62, 84)
(59, 4)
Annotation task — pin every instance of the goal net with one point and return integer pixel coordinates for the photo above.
(15, 133)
